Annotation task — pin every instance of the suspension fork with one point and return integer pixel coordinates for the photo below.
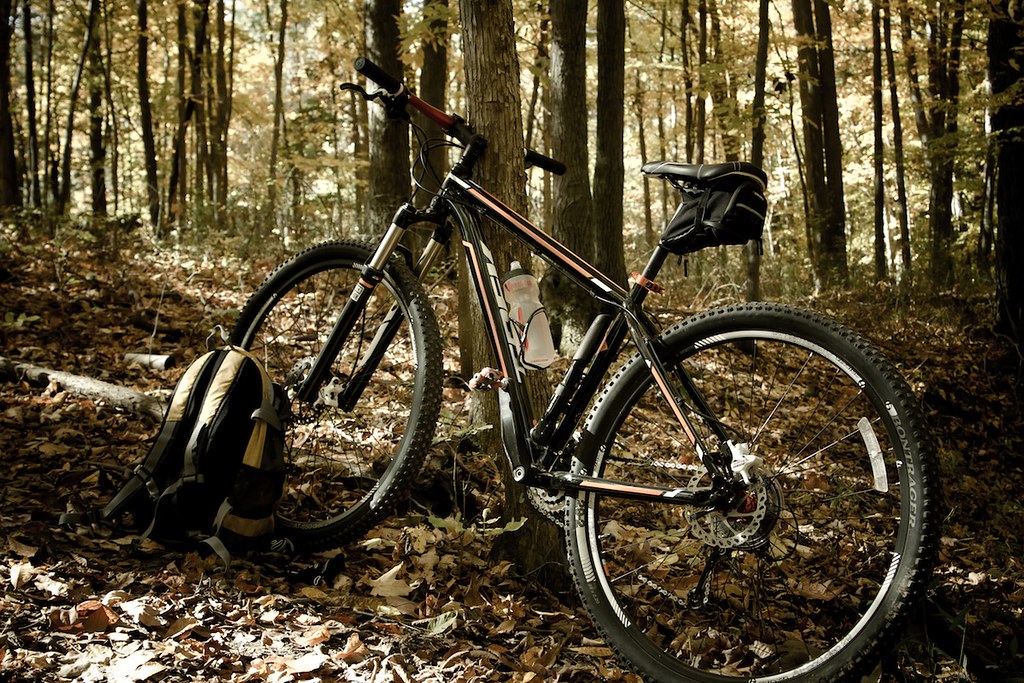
(371, 275)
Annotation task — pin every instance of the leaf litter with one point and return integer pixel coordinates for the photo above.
(418, 599)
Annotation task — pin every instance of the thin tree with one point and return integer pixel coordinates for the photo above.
(434, 79)
(878, 160)
(278, 115)
(902, 212)
(34, 189)
(936, 111)
(757, 138)
(146, 116)
(826, 235)
(97, 142)
(700, 116)
(569, 307)
(388, 138)
(835, 237)
(221, 86)
(609, 167)
(64, 193)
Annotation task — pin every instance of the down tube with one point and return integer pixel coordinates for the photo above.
(514, 404)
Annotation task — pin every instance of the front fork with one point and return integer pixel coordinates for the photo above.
(372, 274)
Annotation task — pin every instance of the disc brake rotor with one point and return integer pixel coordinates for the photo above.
(748, 524)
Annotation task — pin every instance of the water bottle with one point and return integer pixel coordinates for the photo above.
(522, 293)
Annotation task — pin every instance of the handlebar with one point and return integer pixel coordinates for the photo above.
(452, 125)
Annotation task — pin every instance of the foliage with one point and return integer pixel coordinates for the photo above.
(321, 162)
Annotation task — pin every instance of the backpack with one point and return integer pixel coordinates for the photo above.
(216, 470)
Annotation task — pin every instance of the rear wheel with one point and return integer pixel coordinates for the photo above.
(811, 565)
(347, 464)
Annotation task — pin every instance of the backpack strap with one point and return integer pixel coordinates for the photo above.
(265, 417)
(142, 480)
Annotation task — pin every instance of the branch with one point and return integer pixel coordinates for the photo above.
(133, 401)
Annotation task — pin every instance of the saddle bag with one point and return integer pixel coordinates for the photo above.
(731, 210)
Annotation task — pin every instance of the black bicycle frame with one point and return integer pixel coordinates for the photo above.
(465, 202)
(468, 202)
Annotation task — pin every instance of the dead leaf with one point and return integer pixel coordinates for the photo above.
(354, 650)
(180, 628)
(95, 617)
(21, 573)
(389, 585)
(22, 549)
(315, 636)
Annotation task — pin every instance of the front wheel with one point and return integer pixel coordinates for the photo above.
(829, 540)
(352, 451)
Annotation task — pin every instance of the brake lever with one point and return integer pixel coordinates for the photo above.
(394, 105)
(362, 91)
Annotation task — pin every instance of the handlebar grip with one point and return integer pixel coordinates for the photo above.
(535, 158)
(378, 75)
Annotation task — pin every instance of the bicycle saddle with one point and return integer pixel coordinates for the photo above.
(702, 173)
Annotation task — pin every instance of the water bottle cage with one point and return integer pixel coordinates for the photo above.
(524, 329)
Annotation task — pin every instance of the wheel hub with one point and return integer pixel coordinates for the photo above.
(747, 522)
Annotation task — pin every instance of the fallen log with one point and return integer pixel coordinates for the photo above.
(115, 395)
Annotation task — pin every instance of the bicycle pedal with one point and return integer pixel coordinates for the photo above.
(488, 379)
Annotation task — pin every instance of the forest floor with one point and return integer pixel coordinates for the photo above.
(418, 599)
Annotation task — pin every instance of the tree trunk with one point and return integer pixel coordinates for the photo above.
(388, 139)
(641, 116)
(814, 145)
(757, 138)
(881, 265)
(826, 236)
(97, 144)
(10, 185)
(945, 32)
(902, 212)
(176, 198)
(146, 118)
(492, 94)
(1005, 35)
(64, 194)
(275, 136)
(113, 121)
(133, 401)
(434, 84)
(834, 238)
(200, 57)
(700, 116)
(569, 308)
(217, 111)
(50, 135)
(723, 95)
(34, 191)
(609, 168)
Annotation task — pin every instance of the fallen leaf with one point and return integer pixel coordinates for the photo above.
(354, 650)
(22, 549)
(180, 628)
(389, 585)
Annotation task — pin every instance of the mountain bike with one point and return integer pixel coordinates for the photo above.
(751, 495)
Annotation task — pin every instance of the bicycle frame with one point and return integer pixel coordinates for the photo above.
(533, 452)
(552, 434)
